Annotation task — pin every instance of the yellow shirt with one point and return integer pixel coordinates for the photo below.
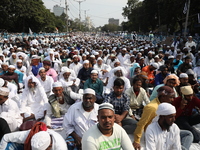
(149, 112)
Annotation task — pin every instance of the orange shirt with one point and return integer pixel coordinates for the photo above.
(150, 74)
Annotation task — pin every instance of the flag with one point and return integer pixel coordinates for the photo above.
(198, 17)
(30, 31)
(185, 8)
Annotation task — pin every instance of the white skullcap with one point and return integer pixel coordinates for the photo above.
(132, 56)
(124, 49)
(165, 109)
(11, 66)
(150, 52)
(75, 56)
(4, 91)
(40, 141)
(171, 57)
(186, 90)
(34, 57)
(99, 58)
(92, 56)
(87, 53)
(84, 55)
(112, 55)
(89, 91)
(94, 71)
(106, 106)
(19, 60)
(69, 59)
(156, 56)
(166, 52)
(183, 75)
(57, 84)
(13, 54)
(86, 62)
(96, 53)
(41, 68)
(155, 65)
(2, 82)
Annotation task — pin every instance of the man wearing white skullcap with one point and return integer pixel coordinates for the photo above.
(84, 73)
(46, 81)
(19, 66)
(76, 65)
(33, 100)
(183, 77)
(42, 140)
(123, 56)
(163, 133)
(185, 104)
(9, 110)
(106, 132)
(81, 116)
(59, 103)
(96, 84)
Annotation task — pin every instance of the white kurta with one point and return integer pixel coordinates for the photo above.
(100, 68)
(157, 139)
(76, 119)
(10, 112)
(47, 84)
(75, 67)
(34, 102)
(20, 137)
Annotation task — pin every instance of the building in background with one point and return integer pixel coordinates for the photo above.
(57, 10)
(113, 21)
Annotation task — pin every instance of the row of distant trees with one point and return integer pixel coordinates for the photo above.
(20, 15)
(160, 15)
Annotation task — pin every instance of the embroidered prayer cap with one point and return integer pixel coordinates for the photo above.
(94, 71)
(57, 84)
(106, 106)
(171, 57)
(89, 91)
(165, 90)
(186, 90)
(40, 141)
(47, 62)
(2, 82)
(86, 62)
(172, 76)
(165, 109)
(183, 75)
(35, 57)
(4, 91)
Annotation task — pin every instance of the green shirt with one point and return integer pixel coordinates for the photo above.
(96, 86)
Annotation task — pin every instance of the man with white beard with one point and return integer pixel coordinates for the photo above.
(34, 100)
(102, 68)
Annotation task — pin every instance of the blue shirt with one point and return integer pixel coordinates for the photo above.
(159, 79)
(84, 74)
(120, 104)
(19, 73)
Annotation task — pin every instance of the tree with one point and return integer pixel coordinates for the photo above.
(110, 28)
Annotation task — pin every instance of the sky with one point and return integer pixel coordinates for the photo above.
(99, 11)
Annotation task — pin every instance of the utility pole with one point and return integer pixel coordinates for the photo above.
(79, 2)
(86, 23)
(186, 19)
(66, 9)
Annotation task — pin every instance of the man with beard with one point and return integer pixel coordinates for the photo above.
(184, 66)
(123, 56)
(183, 77)
(185, 118)
(76, 66)
(33, 100)
(11, 76)
(121, 103)
(162, 133)
(106, 134)
(46, 81)
(149, 59)
(161, 76)
(81, 116)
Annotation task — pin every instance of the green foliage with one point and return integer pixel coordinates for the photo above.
(110, 28)
(153, 14)
(20, 15)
